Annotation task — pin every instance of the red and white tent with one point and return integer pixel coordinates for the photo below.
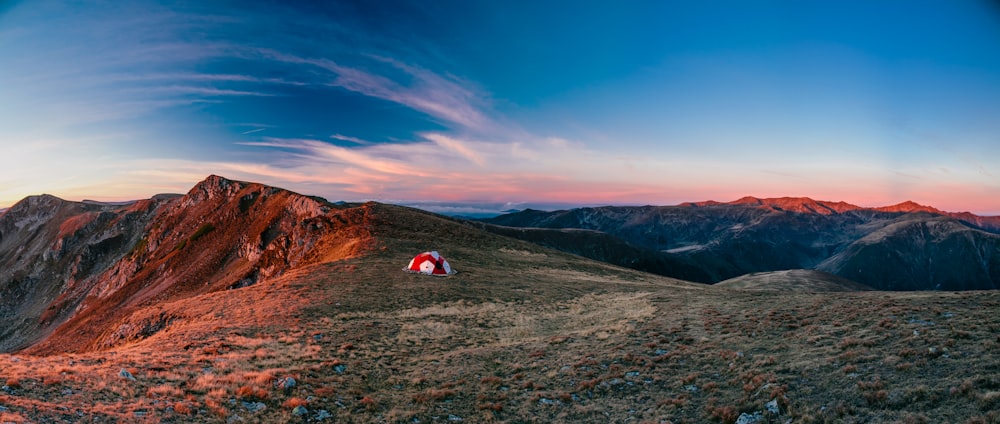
(430, 263)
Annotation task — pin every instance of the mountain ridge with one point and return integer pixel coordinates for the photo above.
(726, 240)
(825, 207)
(78, 267)
(170, 328)
(91, 264)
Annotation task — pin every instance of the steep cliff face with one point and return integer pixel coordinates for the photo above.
(76, 271)
(50, 250)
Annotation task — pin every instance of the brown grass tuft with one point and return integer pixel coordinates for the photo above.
(369, 403)
(252, 393)
(165, 390)
(433, 395)
(491, 406)
(291, 403)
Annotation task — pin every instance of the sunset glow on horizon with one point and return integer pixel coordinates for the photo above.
(464, 102)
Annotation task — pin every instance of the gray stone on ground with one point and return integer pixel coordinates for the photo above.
(254, 407)
(746, 418)
(772, 407)
(286, 382)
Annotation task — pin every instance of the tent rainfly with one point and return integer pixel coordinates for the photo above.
(430, 263)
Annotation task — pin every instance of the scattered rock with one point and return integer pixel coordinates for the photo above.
(323, 414)
(300, 411)
(920, 322)
(285, 383)
(545, 401)
(67, 392)
(140, 413)
(340, 368)
(660, 352)
(254, 407)
(746, 418)
(126, 375)
(454, 418)
(3, 409)
(691, 388)
(772, 407)
(632, 374)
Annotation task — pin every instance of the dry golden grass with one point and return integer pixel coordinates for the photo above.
(566, 341)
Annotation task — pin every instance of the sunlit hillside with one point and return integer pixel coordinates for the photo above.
(520, 333)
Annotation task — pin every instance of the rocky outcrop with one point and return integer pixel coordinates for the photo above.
(73, 273)
(51, 253)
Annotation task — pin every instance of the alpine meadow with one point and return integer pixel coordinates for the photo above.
(465, 211)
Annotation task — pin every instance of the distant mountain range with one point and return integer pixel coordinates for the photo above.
(901, 247)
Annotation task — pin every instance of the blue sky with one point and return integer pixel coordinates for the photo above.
(506, 103)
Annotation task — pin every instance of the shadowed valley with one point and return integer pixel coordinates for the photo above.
(901, 247)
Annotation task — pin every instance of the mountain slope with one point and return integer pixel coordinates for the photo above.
(726, 240)
(522, 333)
(220, 236)
(83, 267)
(918, 252)
(605, 248)
(793, 281)
(51, 249)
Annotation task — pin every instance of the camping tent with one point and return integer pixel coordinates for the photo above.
(430, 263)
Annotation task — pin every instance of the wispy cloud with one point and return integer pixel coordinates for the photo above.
(201, 77)
(448, 98)
(350, 139)
(457, 146)
(184, 90)
(325, 152)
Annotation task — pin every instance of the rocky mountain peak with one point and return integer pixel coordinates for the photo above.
(797, 204)
(215, 186)
(909, 206)
(33, 202)
(81, 267)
